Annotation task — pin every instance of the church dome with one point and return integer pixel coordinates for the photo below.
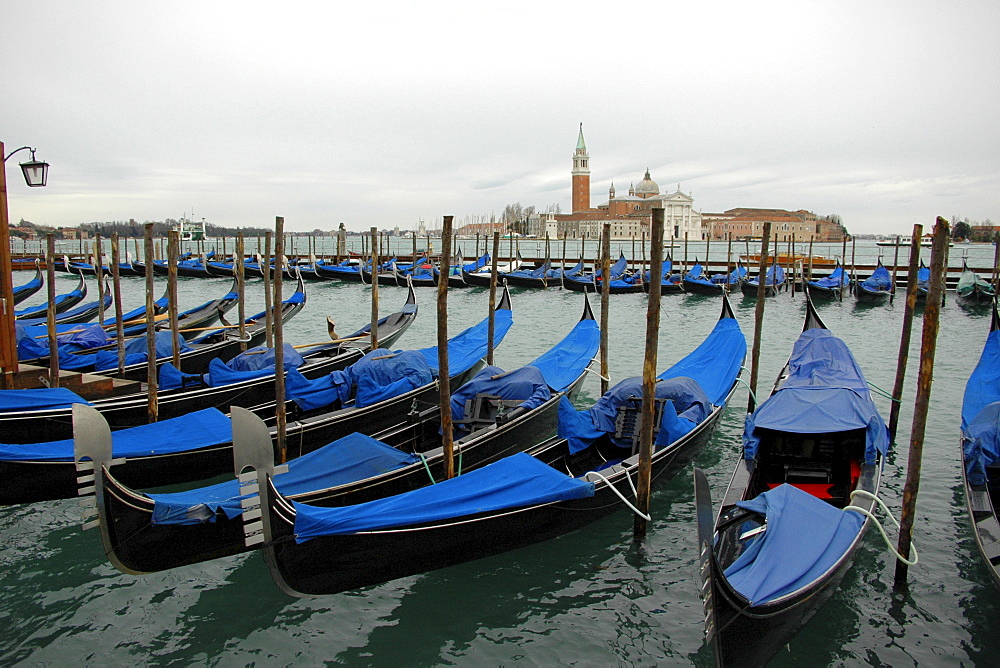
(647, 187)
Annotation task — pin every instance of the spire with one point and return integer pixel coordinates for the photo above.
(581, 145)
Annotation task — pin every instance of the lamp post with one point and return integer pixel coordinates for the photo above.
(35, 175)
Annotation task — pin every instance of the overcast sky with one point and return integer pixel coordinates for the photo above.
(384, 113)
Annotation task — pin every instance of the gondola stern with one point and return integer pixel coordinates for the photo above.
(504, 304)
(727, 307)
(813, 321)
(706, 559)
(995, 321)
(588, 312)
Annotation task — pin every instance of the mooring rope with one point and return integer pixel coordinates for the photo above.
(622, 496)
(884, 393)
(871, 516)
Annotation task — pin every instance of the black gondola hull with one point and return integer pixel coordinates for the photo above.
(333, 564)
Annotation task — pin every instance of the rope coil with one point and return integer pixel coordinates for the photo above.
(871, 516)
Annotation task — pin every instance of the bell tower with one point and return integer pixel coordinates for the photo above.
(581, 175)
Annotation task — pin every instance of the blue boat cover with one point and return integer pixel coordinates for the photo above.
(696, 273)
(469, 346)
(805, 536)
(170, 377)
(348, 459)
(82, 337)
(879, 281)
(513, 482)
(40, 399)
(981, 412)
(564, 362)
(525, 385)
(249, 365)
(775, 276)
(42, 308)
(163, 345)
(383, 374)
(196, 430)
(716, 363)
(836, 279)
(136, 313)
(924, 278)
(825, 391)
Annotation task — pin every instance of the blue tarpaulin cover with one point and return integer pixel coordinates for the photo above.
(83, 337)
(775, 276)
(383, 374)
(836, 279)
(879, 281)
(525, 384)
(564, 362)
(41, 309)
(805, 536)
(348, 459)
(247, 366)
(469, 346)
(40, 399)
(825, 391)
(703, 377)
(981, 412)
(513, 482)
(924, 278)
(196, 430)
(138, 346)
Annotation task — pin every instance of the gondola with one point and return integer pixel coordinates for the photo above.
(697, 282)
(592, 282)
(195, 356)
(185, 268)
(537, 278)
(63, 303)
(670, 283)
(144, 533)
(560, 485)
(774, 279)
(387, 274)
(981, 449)
(81, 314)
(875, 289)
(924, 283)
(457, 279)
(973, 290)
(348, 270)
(22, 292)
(53, 421)
(785, 534)
(833, 286)
(481, 277)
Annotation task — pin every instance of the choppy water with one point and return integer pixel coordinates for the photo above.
(593, 597)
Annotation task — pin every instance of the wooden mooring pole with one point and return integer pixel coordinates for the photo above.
(644, 472)
(117, 291)
(492, 323)
(758, 319)
(265, 267)
(99, 273)
(239, 269)
(280, 415)
(50, 311)
(444, 384)
(173, 249)
(375, 245)
(925, 376)
(904, 341)
(895, 268)
(605, 305)
(152, 408)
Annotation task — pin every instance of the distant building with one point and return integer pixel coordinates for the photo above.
(744, 223)
(628, 215)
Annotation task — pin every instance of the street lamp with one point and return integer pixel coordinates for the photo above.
(35, 175)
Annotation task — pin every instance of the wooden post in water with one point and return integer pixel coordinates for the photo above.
(758, 318)
(843, 268)
(644, 472)
(562, 273)
(854, 247)
(444, 384)
(996, 261)
(374, 332)
(729, 260)
(605, 304)
(280, 415)
(173, 248)
(266, 270)
(925, 376)
(684, 268)
(895, 267)
(241, 288)
(152, 407)
(708, 249)
(116, 286)
(491, 323)
(50, 311)
(99, 272)
(811, 238)
(904, 341)
(791, 263)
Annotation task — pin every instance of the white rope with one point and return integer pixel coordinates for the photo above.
(871, 516)
(622, 497)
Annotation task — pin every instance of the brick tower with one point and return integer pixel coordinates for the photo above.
(581, 175)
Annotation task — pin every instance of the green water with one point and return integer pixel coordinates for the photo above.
(593, 597)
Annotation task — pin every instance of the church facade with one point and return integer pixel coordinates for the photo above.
(628, 215)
